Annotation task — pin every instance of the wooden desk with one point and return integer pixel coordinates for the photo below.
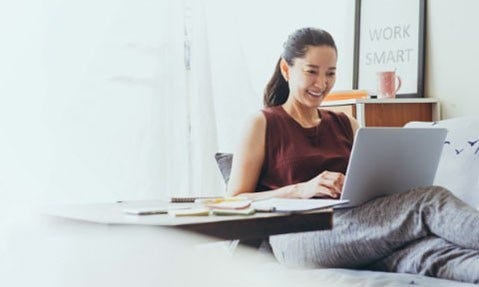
(387, 112)
(260, 225)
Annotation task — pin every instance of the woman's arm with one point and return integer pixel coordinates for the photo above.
(248, 161)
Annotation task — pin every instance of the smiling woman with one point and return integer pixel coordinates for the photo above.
(314, 75)
(314, 165)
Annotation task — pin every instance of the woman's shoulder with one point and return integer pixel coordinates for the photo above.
(275, 113)
(256, 121)
(268, 116)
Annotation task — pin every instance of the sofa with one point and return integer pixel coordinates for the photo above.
(458, 168)
(458, 171)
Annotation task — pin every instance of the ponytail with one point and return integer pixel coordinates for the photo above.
(277, 90)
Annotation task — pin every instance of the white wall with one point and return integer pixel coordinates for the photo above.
(452, 63)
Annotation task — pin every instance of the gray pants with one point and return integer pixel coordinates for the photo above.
(424, 231)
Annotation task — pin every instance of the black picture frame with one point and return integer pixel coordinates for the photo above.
(402, 47)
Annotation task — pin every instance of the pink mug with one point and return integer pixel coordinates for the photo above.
(388, 84)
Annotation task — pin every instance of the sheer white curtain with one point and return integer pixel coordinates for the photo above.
(97, 104)
(204, 138)
(189, 121)
(117, 105)
(173, 107)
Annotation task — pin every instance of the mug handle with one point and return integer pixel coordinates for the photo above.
(399, 83)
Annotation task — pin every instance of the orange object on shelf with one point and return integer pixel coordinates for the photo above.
(346, 95)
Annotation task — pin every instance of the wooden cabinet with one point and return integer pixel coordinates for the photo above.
(387, 112)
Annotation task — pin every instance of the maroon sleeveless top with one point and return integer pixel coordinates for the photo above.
(295, 154)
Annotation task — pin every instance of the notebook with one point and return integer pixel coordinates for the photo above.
(384, 161)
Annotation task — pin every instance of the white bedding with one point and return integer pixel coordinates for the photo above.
(261, 266)
(351, 278)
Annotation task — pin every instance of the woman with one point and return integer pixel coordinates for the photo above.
(292, 149)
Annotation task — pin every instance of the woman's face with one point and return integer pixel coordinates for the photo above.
(311, 78)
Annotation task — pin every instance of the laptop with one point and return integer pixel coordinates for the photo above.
(384, 161)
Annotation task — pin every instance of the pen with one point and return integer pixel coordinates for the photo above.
(152, 212)
(270, 209)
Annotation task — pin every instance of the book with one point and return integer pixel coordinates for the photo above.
(346, 95)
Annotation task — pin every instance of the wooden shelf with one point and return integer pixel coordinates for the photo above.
(387, 112)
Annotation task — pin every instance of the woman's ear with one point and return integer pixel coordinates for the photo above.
(284, 68)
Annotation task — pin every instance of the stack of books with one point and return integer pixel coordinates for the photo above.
(346, 95)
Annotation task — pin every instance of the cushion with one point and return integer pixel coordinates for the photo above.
(224, 161)
(458, 168)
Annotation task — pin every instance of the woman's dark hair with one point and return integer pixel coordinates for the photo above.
(277, 90)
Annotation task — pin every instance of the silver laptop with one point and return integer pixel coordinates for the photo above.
(384, 161)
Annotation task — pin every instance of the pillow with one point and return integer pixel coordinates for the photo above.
(458, 168)
(224, 161)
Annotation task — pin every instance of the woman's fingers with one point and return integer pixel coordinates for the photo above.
(323, 191)
(330, 184)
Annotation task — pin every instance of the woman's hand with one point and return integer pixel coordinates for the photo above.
(326, 184)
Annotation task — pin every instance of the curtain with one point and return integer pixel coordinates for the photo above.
(189, 121)
(173, 108)
(98, 104)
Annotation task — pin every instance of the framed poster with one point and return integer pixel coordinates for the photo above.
(389, 38)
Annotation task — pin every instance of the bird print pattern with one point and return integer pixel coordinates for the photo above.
(460, 148)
